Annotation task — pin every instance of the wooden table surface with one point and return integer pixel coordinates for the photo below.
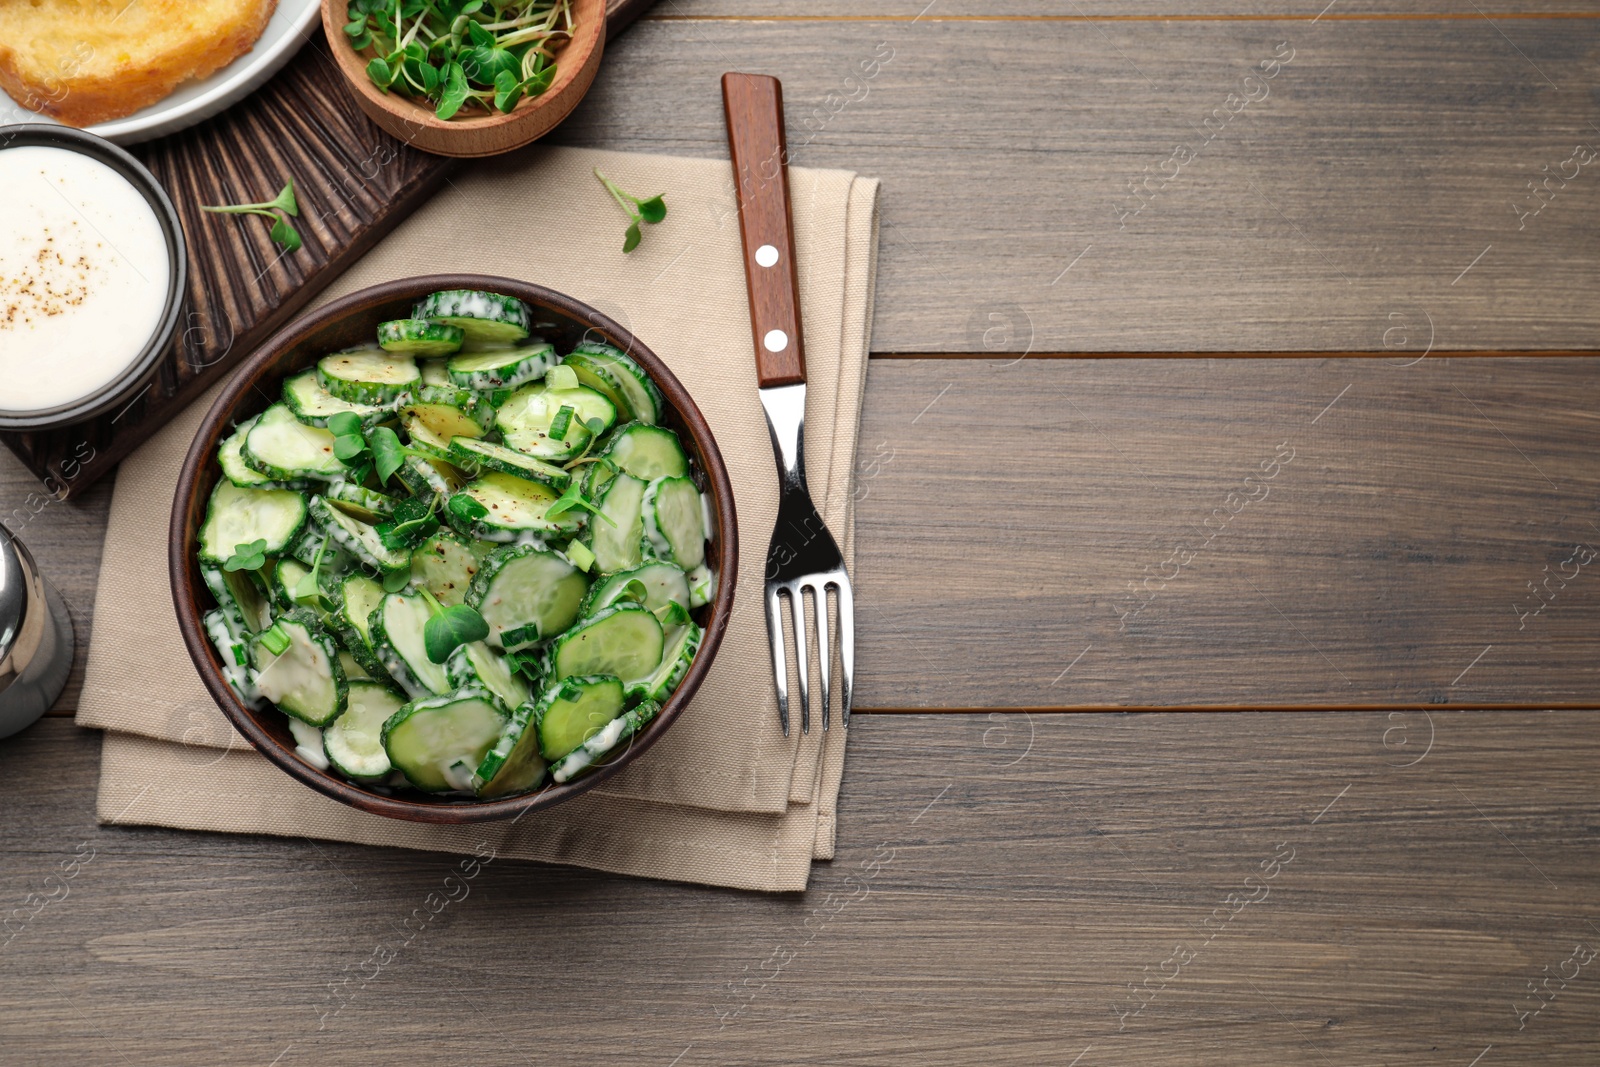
(1123, 269)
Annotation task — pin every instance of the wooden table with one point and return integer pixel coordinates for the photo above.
(1123, 271)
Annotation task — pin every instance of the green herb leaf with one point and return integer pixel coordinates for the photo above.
(378, 70)
(574, 498)
(630, 240)
(412, 523)
(285, 236)
(247, 557)
(348, 448)
(344, 424)
(653, 210)
(454, 93)
(450, 628)
(507, 91)
(274, 640)
(388, 454)
(478, 35)
(282, 233)
(285, 201)
(396, 580)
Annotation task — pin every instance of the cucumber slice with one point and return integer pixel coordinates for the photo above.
(286, 449)
(446, 412)
(599, 476)
(527, 592)
(233, 648)
(434, 372)
(240, 594)
(305, 680)
(367, 505)
(477, 666)
(484, 455)
(702, 586)
(368, 375)
(427, 739)
(360, 596)
(396, 626)
(308, 743)
(615, 733)
(313, 405)
(623, 640)
(418, 337)
(230, 456)
(428, 478)
(486, 318)
(647, 452)
(445, 566)
(502, 368)
(237, 516)
(572, 711)
(605, 367)
(678, 653)
(674, 521)
(498, 507)
(616, 544)
(354, 741)
(514, 764)
(353, 671)
(524, 419)
(425, 440)
(356, 537)
(664, 583)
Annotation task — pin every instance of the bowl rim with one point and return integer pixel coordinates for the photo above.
(574, 60)
(183, 566)
(42, 135)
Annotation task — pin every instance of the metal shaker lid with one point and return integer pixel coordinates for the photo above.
(19, 634)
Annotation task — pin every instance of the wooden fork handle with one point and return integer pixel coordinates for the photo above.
(760, 153)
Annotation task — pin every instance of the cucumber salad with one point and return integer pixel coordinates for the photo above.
(457, 561)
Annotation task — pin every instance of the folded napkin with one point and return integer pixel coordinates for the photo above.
(724, 798)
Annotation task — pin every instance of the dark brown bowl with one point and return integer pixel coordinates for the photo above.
(354, 319)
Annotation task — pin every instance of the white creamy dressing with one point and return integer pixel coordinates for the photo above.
(83, 276)
(308, 743)
(592, 749)
(302, 671)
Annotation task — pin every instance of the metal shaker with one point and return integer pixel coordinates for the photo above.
(36, 640)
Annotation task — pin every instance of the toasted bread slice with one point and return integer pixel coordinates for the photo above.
(89, 61)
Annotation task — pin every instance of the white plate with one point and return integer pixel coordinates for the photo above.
(290, 27)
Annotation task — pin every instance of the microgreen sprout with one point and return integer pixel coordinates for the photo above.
(652, 210)
(450, 628)
(412, 522)
(349, 445)
(247, 557)
(282, 233)
(308, 590)
(388, 454)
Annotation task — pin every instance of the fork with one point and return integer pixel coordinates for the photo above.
(803, 556)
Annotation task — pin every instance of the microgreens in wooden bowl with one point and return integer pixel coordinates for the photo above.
(467, 77)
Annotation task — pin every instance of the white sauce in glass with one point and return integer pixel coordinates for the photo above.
(84, 273)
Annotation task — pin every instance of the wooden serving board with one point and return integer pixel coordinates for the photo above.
(354, 183)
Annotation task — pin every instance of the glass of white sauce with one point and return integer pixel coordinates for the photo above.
(92, 274)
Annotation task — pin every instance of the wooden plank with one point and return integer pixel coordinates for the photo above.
(1377, 170)
(883, 11)
(1061, 533)
(1001, 883)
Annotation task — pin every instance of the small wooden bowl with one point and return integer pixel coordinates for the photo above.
(477, 134)
(352, 320)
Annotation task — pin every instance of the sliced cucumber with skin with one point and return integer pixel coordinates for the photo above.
(286, 449)
(675, 522)
(664, 583)
(428, 478)
(447, 412)
(487, 456)
(677, 654)
(486, 318)
(240, 592)
(233, 648)
(237, 516)
(353, 671)
(616, 544)
(313, 405)
(368, 375)
(574, 710)
(305, 679)
(427, 739)
(446, 565)
(356, 537)
(524, 420)
(502, 508)
(418, 337)
(434, 372)
(396, 627)
(353, 743)
(528, 592)
(514, 765)
(360, 597)
(647, 452)
(502, 368)
(606, 368)
(230, 456)
(625, 640)
(477, 666)
(702, 586)
(425, 440)
(603, 743)
(357, 501)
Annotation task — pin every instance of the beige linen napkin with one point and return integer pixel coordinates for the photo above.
(723, 798)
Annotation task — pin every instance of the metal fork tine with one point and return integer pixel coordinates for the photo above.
(800, 653)
(847, 647)
(780, 669)
(819, 597)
